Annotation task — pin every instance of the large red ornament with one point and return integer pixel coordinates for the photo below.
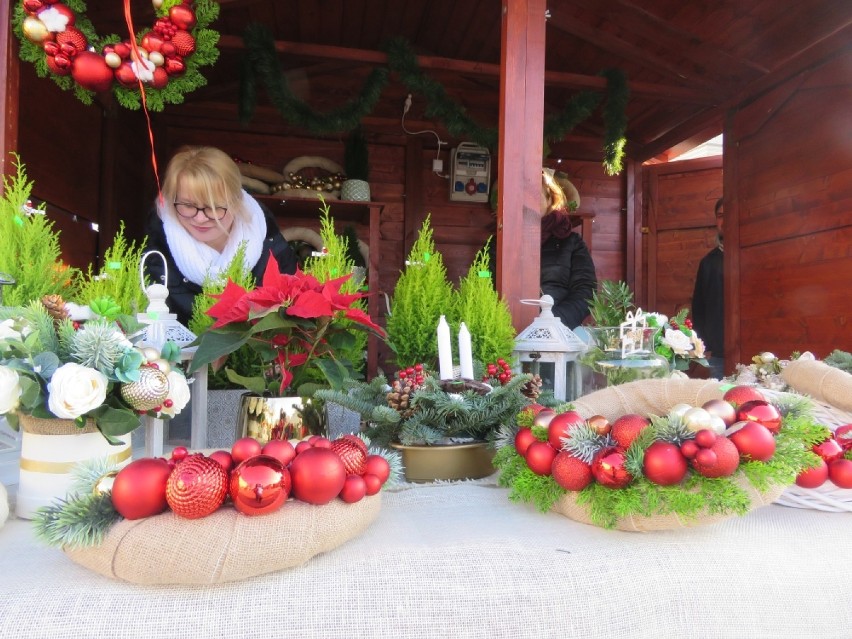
(139, 489)
(197, 487)
(244, 448)
(627, 427)
(280, 449)
(664, 464)
(378, 466)
(813, 477)
(840, 472)
(570, 472)
(608, 468)
(91, 72)
(183, 16)
(540, 456)
(725, 463)
(759, 410)
(829, 450)
(523, 438)
(318, 475)
(260, 485)
(561, 425)
(739, 395)
(351, 454)
(753, 440)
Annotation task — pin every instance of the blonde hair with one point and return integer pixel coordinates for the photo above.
(208, 175)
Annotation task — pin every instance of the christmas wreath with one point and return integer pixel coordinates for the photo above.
(705, 457)
(61, 42)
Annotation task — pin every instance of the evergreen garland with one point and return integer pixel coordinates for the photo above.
(840, 359)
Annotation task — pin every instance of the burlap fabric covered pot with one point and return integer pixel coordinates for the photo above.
(225, 546)
(822, 382)
(654, 397)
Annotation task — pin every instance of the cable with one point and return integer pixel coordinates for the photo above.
(405, 110)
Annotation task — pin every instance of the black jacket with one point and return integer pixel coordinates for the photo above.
(182, 292)
(568, 275)
(708, 302)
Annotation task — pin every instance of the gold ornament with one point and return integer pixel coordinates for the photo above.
(150, 354)
(148, 392)
(35, 30)
(162, 365)
(113, 60)
(156, 58)
(157, 3)
(104, 485)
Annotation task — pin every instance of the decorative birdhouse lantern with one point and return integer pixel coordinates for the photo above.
(549, 349)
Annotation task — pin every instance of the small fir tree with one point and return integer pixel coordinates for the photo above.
(118, 279)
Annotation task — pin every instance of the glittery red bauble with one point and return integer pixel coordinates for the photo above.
(608, 468)
(318, 475)
(244, 448)
(523, 438)
(813, 477)
(560, 427)
(372, 483)
(759, 410)
(829, 450)
(627, 427)
(725, 463)
(91, 72)
(378, 466)
(753, 440)
(280, 449)
(664, 464)
(354, 489)
(73, 37)
(184, 43)
(197, 487)
(259, 485)
(840, 472)
(183, 16)
(739, 395)
(351, 454)
(360, 443)
(139, 489)
(570, 472)
(540, 456)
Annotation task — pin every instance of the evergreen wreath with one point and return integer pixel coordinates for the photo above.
(54, 37)
(261, 63)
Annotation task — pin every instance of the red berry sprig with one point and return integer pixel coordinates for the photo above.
(501, 371)
(414, 373)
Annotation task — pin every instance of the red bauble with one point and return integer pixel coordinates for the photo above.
(318, 475)
(759, 410)
(664, 464)
(174, 66)
(280, 449)
(197, 487)
(627, 427)
(321, 442)
(354, 489)
(183, 16)
(543, 417)
(161, 78)
(351, 454)
(60, 64)
(726, 462)
(608, 468)
(829, 450)
(91, 72)
(739, 395)
(840, 472)
(139, 489)
(753, 440)
(560, 427)
(721, 409)
(33, 6)
(843, 435)
(151, 42)
(540, 456)
(705, 438)
(179, 453)
(244, 448)
(224, 458)
(570, 472)
(184, 43)
(125, 76)
(360, 443)
(689, 448)
(72, 40)
(813, 477)
(533, 409)
(523, 439)
(260, 485)
(378, 466)
(373, 483)
(302, 446)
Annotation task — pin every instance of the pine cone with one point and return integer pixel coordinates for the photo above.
(532, 388)
(400, 397)
(55, 306)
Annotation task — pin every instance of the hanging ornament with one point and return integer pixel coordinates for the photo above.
(139, 489)
(183, 16)
(148, 392)
(609, 470)
(318, 475)
(196, 487)
(259, 485)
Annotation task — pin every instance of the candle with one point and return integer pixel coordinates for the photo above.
(445, 350)
(465, 355)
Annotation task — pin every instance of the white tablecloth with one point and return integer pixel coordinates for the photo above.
(461, 560)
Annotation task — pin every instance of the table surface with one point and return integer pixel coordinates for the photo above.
(461, 560)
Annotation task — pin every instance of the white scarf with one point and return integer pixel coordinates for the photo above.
(196, 260)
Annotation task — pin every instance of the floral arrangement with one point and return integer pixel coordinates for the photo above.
(54, 367)
(676, 340)
(294, 324)
(691, 462)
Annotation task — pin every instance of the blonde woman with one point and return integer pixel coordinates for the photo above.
(200, 223)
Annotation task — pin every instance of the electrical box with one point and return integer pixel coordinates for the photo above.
(470, 170)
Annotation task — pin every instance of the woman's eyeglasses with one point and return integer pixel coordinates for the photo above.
(187, 210)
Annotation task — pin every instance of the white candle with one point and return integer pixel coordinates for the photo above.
(465, 355)
(445, 350)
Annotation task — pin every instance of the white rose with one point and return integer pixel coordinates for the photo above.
(7, 330)
(75, 390)
(677, 341)
(10, 389)
(178, 393)
(659, 318)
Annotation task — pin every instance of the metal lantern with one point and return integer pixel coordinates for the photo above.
(5, 280)
(550, 349)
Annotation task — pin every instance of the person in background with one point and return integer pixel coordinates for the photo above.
(199, 224)
(708, 300)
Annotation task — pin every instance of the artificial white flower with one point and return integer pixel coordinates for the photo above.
(75, 390)
(178, 393)
(697, 345)
(7, 330)
(659, 318)
(54, 20)
(677, 341)
(10, 389)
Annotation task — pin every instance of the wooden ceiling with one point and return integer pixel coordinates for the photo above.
(686, 61)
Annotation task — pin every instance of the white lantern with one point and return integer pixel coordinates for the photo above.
(550, 349)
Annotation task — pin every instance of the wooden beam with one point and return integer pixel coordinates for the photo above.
(9, 90)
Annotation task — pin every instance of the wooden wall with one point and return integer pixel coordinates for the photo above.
(789, 172)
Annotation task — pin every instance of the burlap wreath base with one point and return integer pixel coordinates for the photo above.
(655, 397)
(225, 546)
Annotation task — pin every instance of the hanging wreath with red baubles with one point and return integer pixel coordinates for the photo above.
(62, 43)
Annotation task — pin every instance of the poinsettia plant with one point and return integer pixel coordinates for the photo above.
(296, 324)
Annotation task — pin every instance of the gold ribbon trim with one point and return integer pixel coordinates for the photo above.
(35, 466)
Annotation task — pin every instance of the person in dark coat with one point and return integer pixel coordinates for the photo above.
(708, 301)
(203, 218)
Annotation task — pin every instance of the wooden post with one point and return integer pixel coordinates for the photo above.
(10, 65)
(520, 156)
